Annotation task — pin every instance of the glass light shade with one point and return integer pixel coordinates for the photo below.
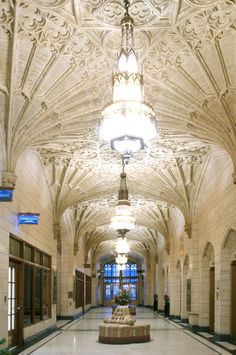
(127, 91)
(121, 259)
(129, 122)
(122, 246)
(128, 63)
(123, 218)
(127, 144)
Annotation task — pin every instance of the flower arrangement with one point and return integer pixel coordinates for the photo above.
(124, 297)
(166, 298)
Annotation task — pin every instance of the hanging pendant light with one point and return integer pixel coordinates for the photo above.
(123, 220)
(128, 122)
(122, 246)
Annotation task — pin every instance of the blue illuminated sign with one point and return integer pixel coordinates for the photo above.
(28, 218)
(6, 195)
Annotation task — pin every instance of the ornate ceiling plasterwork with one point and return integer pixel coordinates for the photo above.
(57, 57)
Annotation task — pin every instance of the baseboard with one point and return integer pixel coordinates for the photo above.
(74, 316)
(215, 336)
(222, 337)
(33, 339)
(184, 320)
(64, 317)
(40, 335)
(199, 328)
(173, 317)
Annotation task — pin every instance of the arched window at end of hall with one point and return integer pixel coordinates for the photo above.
(113, 280)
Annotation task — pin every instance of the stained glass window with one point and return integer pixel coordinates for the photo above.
(111, 279)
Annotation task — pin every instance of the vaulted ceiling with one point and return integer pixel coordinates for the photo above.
(56, 62)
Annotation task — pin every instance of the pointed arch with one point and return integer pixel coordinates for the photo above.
(186, 289)
(228, 251)
(186, 261)
(206, 289)
(208, 251)
(178, 264)
(229, 237)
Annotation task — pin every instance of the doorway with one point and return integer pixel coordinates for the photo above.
(15, 306)
(212, 299)
(233, 301)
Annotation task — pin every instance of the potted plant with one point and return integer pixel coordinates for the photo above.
(124, 297)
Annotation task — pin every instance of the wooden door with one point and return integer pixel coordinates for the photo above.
(80, 294)
(15, 307)
(233, 300)
(212, 299)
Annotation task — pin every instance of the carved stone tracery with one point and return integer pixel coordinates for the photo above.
(58, 79)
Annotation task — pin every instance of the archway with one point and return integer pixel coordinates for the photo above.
(228, 279)
(177, 299)
(114, 281)
(186, 290)
(167, 281)
(207, 309)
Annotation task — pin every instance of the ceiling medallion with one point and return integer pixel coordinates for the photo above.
(128, 122)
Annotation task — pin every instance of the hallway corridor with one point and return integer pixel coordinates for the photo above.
(81, 337)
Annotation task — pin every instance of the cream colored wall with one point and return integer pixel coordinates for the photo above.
(31, 194)
(65, 269)
(169, 277)
(79, 261)
(213, 218)
(2, 151)
(149, 280)
(68, 263)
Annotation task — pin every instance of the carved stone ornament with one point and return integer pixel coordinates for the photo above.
(8, 179)
(57, 59)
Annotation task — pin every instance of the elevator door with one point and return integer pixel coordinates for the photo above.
(212, 299)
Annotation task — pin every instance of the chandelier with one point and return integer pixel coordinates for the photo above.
(128, 122)
(122, 248)
(121, 259)
(123, 220)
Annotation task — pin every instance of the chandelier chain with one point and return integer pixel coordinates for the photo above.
(126, 5)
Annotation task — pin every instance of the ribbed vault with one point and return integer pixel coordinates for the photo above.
(57, 57)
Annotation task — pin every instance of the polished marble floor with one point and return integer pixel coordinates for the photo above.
(81, 337)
